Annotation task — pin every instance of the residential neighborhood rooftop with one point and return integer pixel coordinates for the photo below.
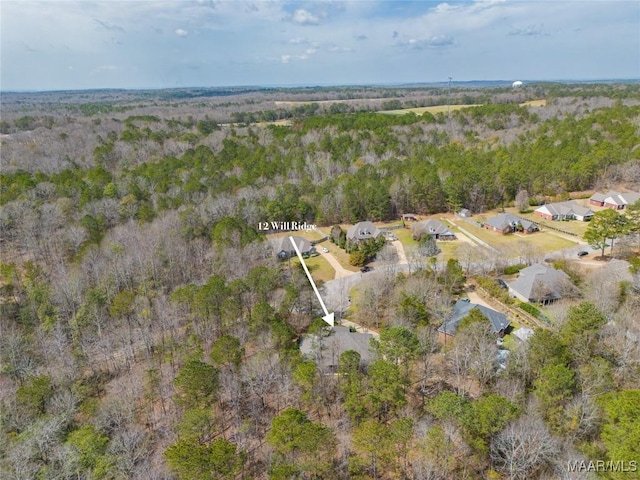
(462, 308)
(326, 351)
(564, 210)
(286, 249)
(432, 227)
(508, 221)
(363, 231)
(539, 283)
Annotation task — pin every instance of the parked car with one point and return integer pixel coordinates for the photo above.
(366, 269)
(502, 283)
(325, 250)
(583, 253)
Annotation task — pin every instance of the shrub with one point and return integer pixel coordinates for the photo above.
(527, 307)
(511, 269)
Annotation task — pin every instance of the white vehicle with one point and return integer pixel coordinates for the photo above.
(325, 250)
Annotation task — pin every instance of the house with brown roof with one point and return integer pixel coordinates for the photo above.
(409, 217)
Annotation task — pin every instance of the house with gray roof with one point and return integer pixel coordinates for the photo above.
(286, 249)
(620, 201)
(614, 200)
(326, 350)
(597, 198)
(507, 223)
(438, 230)
(564, 211)
(462, 308)
(363, 231)
(540, 283)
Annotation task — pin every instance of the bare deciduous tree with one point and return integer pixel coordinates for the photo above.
(524, 447)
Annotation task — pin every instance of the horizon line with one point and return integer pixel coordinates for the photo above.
(328, 85)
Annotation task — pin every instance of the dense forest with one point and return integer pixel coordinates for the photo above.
(147, 330)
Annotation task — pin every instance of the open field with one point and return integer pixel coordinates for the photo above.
(573, 226)
(546, 242)
(534, 103)
(434, 109)
(297, 103)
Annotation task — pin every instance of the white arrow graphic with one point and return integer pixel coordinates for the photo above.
(328, 317)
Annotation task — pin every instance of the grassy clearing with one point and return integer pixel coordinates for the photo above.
(340, 255)
(321, 270)
(404, 235)
(433, 110)
(534, 103)
(542, 240)
(574, 226)
(448, 249)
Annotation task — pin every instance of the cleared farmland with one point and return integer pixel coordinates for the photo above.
(433, 109)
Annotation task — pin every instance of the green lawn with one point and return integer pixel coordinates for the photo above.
(339, 254)
(320, 269)
(404, 235)
(448, 249)
(543, 240)
(574, 226)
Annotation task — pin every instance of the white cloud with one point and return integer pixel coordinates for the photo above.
(444, 7)
(104, 69)
(308, 53)
(435, 41)
(298, 41)
(529, 31)
(304, 17)
(356, 41)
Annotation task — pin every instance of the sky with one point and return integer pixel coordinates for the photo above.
(63, 45)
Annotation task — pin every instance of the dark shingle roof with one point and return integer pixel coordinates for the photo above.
(539, 277)
(461, 309)
(326, 351)
(303, 245)
(508, 220)
(432, 227)
(363, 231)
